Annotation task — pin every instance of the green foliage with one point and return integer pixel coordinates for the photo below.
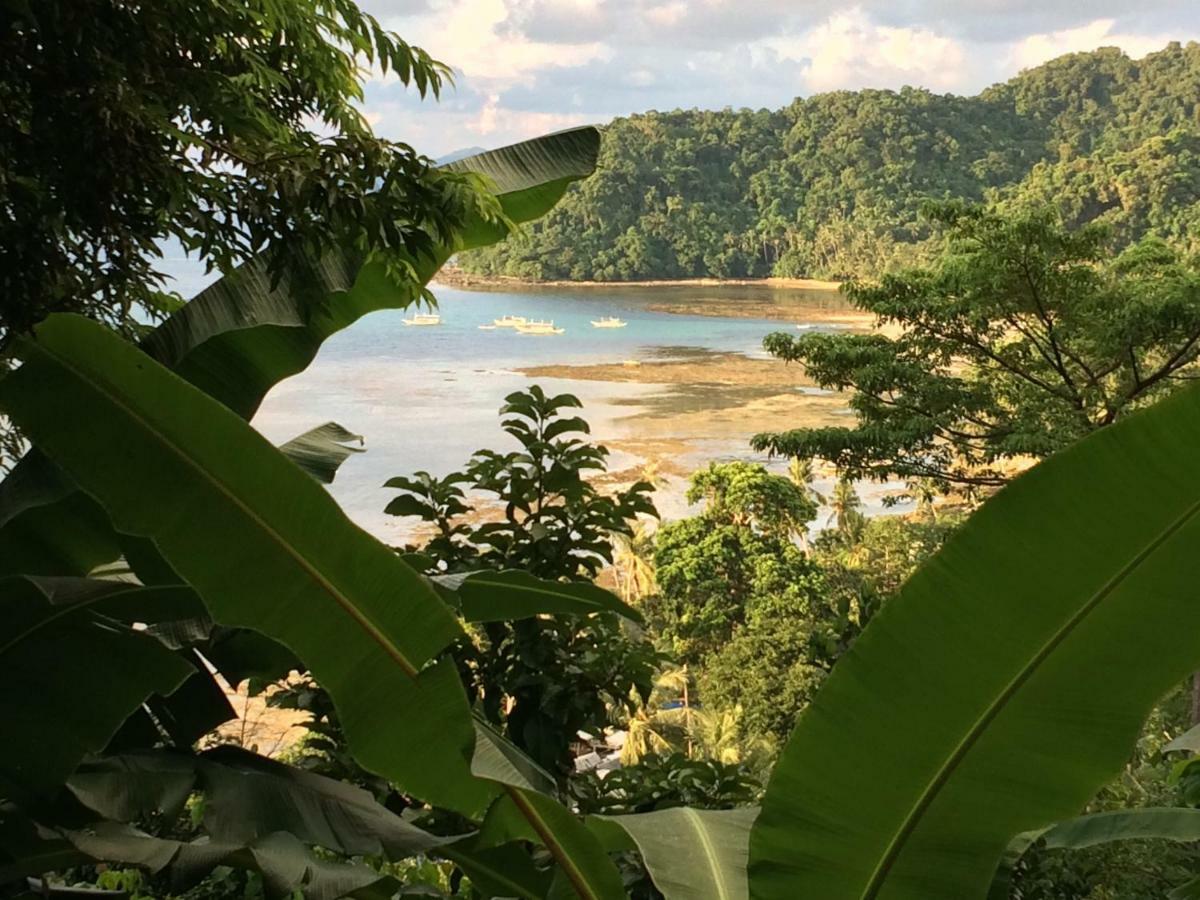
(542, 679)
(995, 670)
(832, 184)
(233, 128)
(712, 569)
(555, 523)
(663, 782)
(1024, 337)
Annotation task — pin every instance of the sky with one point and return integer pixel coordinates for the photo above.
(528, 67)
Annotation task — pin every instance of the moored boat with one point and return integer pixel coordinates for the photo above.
(424, 319)
(539, 328)
(608, 322)
(510, 321)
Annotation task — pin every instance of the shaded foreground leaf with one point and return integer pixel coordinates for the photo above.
(693, 854)
(248, 797)
(242, 335)
(262, 543)
(505, 596)
(285, 864)
(1178, 824)
(1004, 684)
(73, 670)
(584, 867)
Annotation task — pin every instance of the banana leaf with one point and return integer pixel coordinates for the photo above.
(74, 669)
(1007, 681)
(692, 854)
(243, 334)
(261, 542)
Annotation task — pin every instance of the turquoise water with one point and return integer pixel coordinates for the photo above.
(427, 397)
(459, 337)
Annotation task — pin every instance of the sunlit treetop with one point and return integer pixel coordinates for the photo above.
(232, 126)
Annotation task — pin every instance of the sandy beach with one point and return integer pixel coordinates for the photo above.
(456, 277)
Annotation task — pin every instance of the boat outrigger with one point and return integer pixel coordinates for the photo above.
(539, 328)
(608, 322)
(424, 319)
(510, 321)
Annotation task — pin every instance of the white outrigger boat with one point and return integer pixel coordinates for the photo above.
(608, 322)
(539, 328)
(510, 321)
(424, 319)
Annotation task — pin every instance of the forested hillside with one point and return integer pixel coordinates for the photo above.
(832, 185)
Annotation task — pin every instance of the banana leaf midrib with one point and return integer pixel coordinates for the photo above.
(946, 770)
(326, 586)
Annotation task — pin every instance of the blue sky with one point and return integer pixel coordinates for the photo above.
(525, 67)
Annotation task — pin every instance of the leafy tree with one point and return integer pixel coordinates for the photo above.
(711, 568)
(1023, 338)
(232, 128)
(543, 679)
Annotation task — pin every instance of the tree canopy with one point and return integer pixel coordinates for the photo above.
(229, 127)
(1023, 337)
(832, 185)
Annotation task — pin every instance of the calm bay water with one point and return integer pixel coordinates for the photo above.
(427, 397)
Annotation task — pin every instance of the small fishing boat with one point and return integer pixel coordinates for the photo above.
(510, 321)
(487, 327)
(539, 328)
(424, 319)
(608, 322)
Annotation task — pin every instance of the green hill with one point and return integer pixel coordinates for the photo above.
(832, 184)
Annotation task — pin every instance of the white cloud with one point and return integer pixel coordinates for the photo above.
(848, 50)
(529, 66)
(468, 35)
(1037, 48)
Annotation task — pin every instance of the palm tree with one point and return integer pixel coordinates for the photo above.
(633, 563)
(655, 729)
(846, 508)
(925, 492)
(803, 473)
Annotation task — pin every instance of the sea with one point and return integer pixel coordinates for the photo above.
(424, 398)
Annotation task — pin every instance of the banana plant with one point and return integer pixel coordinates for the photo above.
(266, 548)
(1006, 682)
(246, 332)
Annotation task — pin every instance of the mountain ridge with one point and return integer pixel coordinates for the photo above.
(831, 185)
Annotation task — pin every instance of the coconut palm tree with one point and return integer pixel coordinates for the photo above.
(633, 563)
(803, 474)
(846, 508)
(662, 723)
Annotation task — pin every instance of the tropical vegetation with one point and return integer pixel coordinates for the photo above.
(832, 185)
(936, 701)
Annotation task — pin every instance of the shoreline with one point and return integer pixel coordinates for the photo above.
(452, 276)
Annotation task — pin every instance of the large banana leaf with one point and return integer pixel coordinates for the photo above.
(1004, 684)
(247, 797)
(242, 335)
(585, 869)
(261, 542)
(73, 670)
(693, 854)
(239, 337)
